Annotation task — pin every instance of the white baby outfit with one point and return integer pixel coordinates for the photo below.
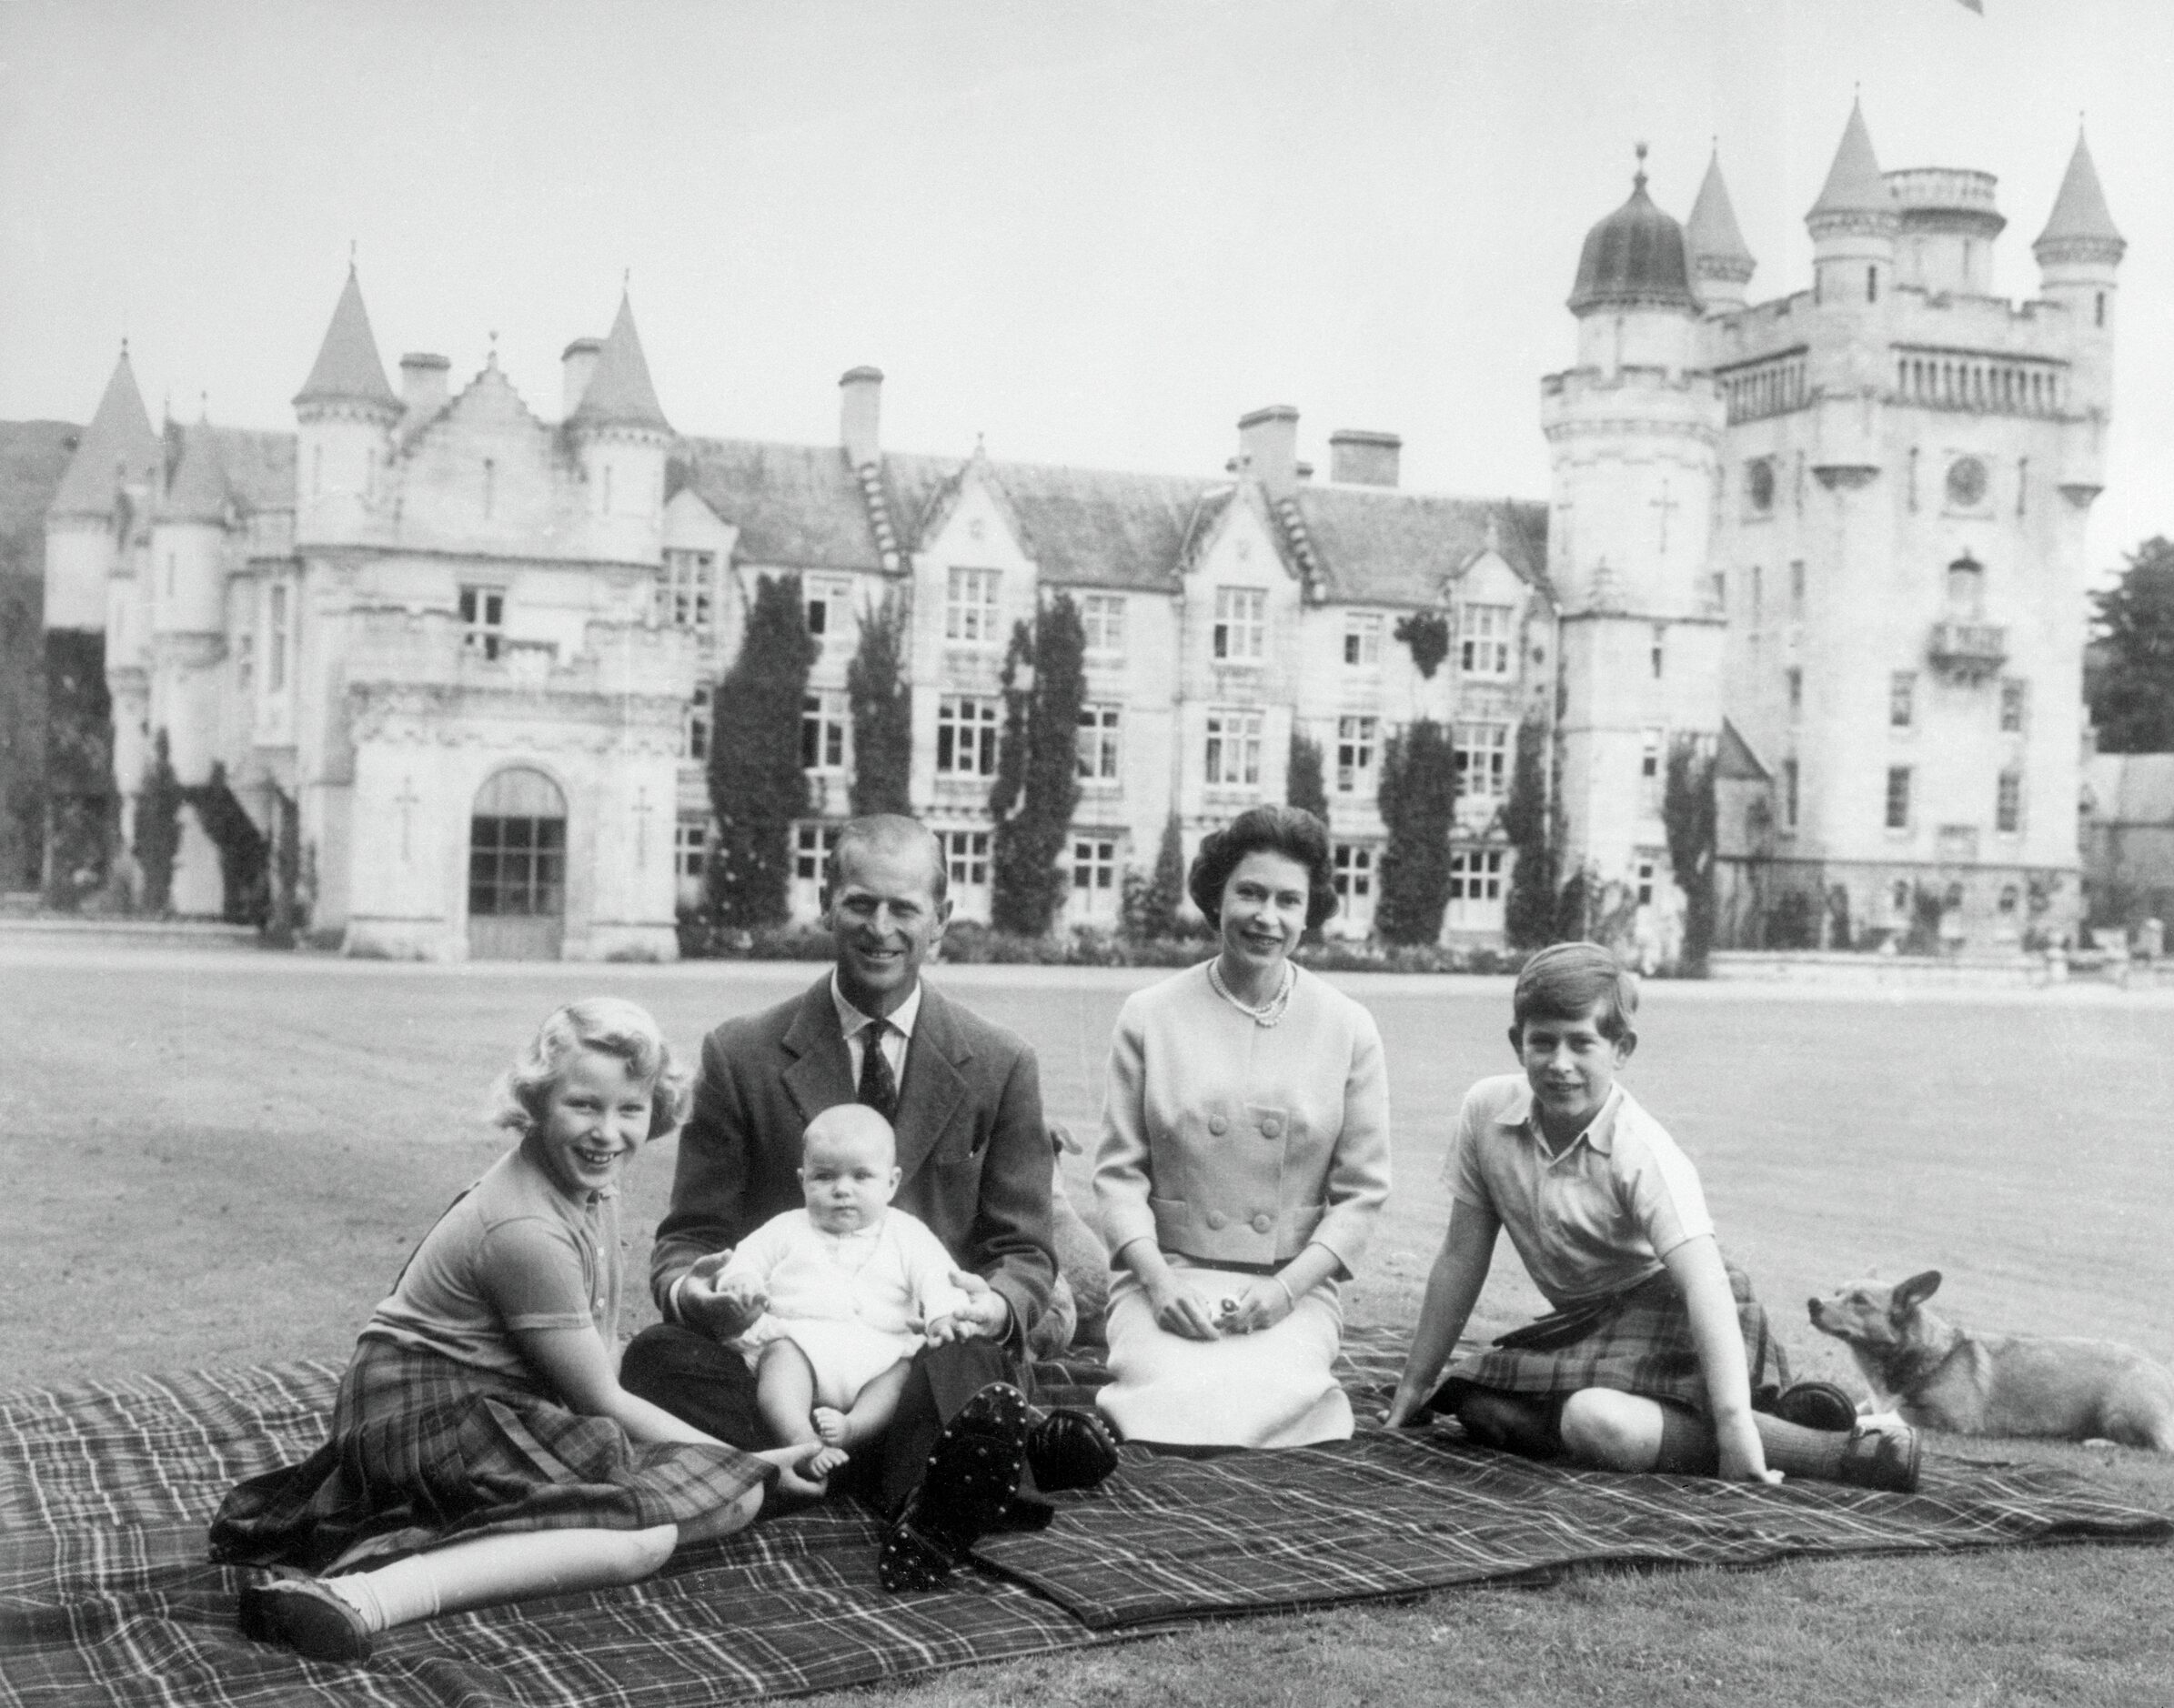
(854, 1303)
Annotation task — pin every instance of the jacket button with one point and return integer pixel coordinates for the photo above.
(1271, 1128)
(1217, 1124)
(1262, 1222)
(1217, 1219)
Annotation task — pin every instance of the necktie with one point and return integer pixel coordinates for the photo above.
(879, 1085)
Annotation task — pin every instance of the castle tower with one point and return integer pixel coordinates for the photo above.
(1853, 223)
(1632, 432)
(102, 494)
(187, 570)
(2079, 255)
(618, 432)
(347, 413)
(1721, 262)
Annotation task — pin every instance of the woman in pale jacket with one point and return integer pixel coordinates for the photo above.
(1244, 1156)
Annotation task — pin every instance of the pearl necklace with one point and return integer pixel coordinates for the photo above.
(1270, 1011)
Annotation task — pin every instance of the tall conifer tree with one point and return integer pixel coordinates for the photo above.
(1038, 775)
(757, 784)
(882, 697)
(1419, 798)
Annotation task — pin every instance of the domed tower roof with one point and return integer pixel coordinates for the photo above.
(347, 369)
(1717, 246)
(2080, 216)
(116, 449)
(620, 392)
(1854, 186)
(1634, 258)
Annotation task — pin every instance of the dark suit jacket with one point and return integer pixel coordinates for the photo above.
(972, 1148)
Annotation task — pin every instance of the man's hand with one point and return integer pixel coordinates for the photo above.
(1404, 1408)
(719, 1311)
(983, 1316)
(943, 1329)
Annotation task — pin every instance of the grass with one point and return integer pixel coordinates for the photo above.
(223, 1160)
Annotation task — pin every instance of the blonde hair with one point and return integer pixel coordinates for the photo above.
(612, 1026)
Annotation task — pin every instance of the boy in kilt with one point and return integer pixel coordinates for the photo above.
(1656, 1347)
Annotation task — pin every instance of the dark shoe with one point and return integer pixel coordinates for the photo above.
(316, 1622)
(1816, 1405)
(972, 1473)
(1884, 1459)
(1070, 1449)
(251, 1614)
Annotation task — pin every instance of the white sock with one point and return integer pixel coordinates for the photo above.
(391, 1595)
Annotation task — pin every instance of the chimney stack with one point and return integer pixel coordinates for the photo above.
(576, 364)
(423, 382)
(859, 406)
(1358, 458)
(1268, 448)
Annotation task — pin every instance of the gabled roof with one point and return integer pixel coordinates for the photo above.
(1854, 183)
(347, 369)
(1737, 760)
(1716, 244)
(619, 393)
(119, 436)
(1387, 546)
(2079, 211)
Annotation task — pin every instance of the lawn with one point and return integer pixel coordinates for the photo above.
(222, 1159)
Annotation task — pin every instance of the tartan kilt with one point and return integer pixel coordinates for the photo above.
(1635, 1342)
(427, 1450)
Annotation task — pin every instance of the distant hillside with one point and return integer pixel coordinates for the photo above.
(33, 455)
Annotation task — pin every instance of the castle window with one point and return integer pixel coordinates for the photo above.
(966, 726)
(1871, 284)
(275, 638)
(1649, 766)
(970, 606)
(245, 659)
(2013, 697)
(1484, 640)
(2007, 804)
(1659, 649)
(2022, 482)
(1788, 794)
(690, 847)
(1241, 623)
(813, 843)
(827, 607)
(490, 483)
(1757, 592)
(1902, 699)
(1362, 639)
(965, 857)
(2099, 313)
(1094, 864)
(1098, 746)
(2010, 897)
(1101, 616)
(1233, 750)
(1794, 680)
(1351, 872)
(1758, 482)
(1482, 758)
(1476, 874)
(1965, 589)
(1898, 797)
(823, 731)
(694, 727)
(1355, 739)
(686, 593)
(483, 620)
(1965, 483)
(1796, 589)
(1648, 865)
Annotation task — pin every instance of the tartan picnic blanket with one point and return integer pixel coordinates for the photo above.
(105, 1594)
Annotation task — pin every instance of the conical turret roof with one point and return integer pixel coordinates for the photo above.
(2079, 211)
(1854, 183)
(1716, 244)
(349, 370)
(1634, 258)
(119, 445)
(618, 393)
(197, 490)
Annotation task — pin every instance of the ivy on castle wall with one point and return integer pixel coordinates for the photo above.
(22, 731)
(757, 787)
(78, 784)
(882, 697)
(1528, 913)
(1418, 805)
(158, 827)
(1037, 787)
(1689, 810)
(1426, 636)
(245, 893)
(1302, 785)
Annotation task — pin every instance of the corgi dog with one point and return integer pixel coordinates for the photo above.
(1938, 1376)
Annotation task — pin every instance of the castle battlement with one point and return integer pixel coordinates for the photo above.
(401, 646)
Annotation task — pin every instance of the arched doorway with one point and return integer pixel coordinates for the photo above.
(516, 867)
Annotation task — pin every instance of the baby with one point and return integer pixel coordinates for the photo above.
(848, 1290)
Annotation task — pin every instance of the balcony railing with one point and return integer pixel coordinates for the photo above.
(1968, 650)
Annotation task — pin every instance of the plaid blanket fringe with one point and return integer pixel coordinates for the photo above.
(107, 1596)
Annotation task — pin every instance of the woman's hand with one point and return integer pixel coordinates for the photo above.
(1260, 1306)
(1183, 1309)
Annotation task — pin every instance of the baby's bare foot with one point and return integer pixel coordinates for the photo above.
(830, 1459)
(800, 1470)
(829, 1425)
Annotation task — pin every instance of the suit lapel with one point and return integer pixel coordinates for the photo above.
(934, 1085)
(819, 1074)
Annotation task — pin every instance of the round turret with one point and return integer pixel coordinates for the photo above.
(1634, 260)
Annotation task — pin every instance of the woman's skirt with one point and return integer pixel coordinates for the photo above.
(1635, 1342)
(1268, 1389)
(425, 1450)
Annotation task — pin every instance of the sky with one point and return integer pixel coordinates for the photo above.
(1083, 232)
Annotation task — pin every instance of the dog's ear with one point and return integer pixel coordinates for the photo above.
(1913, 1292)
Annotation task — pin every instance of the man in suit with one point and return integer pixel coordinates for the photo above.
(965, 1099)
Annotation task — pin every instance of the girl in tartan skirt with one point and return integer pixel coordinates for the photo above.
(1655, 1356)
(481, 1447)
